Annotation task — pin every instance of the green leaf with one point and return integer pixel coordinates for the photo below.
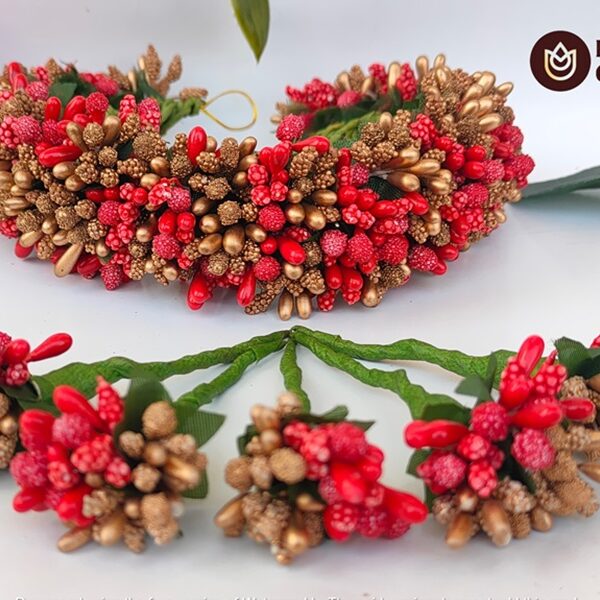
(83, 375)
(144, 390)
(386, 190)
(577, 358)
(475, 385)
(144, 89)
(583, 180)
(253, 18)
(417, 457)
(335, 415)
(450, 411)
(63, 90)
(292, 374)
(202, 425)
(200, 491)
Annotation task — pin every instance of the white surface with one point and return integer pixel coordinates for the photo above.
(539, 273)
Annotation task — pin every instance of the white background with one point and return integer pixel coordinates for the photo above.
(539, 273)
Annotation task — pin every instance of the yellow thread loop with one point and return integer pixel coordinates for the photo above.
(229, 93)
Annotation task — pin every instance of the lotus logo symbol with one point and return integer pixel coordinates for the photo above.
(560, 64)
(560, 60)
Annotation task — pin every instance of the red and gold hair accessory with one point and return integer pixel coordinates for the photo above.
(375, 177)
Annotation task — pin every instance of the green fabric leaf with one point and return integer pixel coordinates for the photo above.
(384, 188)
(475, 385)
(415, 396)
(577, 358)
(144, 390)
(202, 425)
(253, 18)
(63, 90)
(83, 375)
(583, 180)
(200, 491)
(449, 411)
(292, 374)
(417, 457)
(413, 350)
(206, 392)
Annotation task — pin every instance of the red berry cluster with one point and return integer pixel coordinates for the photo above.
(528, 405)
(61, 451)
(15, 356)
(348, 469)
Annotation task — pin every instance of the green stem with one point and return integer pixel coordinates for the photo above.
(292, 374)
(415, 396)
(410, 349)
(206, 392)
(83, 376)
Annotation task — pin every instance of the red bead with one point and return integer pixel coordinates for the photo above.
(198, 292)
(269, 246)
(473, 169)
(578, 409)
(333, 277)
(196, 143)
(477, 153)
(539, 416)
(70, 401)
(55, 345)
(347, 195)
(291, 251)
(348, 482)
(404, 506)
(434, 434)
(16, 352)
(455, 161)
(530, 353)
(247, 288)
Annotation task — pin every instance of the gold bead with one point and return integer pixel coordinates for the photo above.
(324, 197)
(8, 425)
(247, 161)
(60, 238)
(308, 503)
(490, 121)
(466, 500)
(293, 272)
(160, 166)
(294, 213)
(495, 522)
(183, 471)
(270, 440)
(386, 121)
(144, 233)
(31, 238)
(233, 240)
(422, 64)
(460, 530)
(314, 218)
(149, 180)
(210, 223)
(406, 158)
(256, 233)
(541, 520)
(486, 81)
(66, 263)
(426, 166)
(295, 540)
(63, 169)
(504, 89)
(74, 539)
(210, 244)
(170, 272)
(74, 183)
(231, 514)
(473, 92)
(304, 305)
(470, 107)
(404, 181)
(265, 417)
(394, 71)
(211, 144)
(285, 307)
(240, 179)
(112, 128)
(49, 226)
(248, 145)
(370, 295)
(111, 530)
(75, 134)
(201, 206)
(102, 250)
(24, 179)
(294, 196)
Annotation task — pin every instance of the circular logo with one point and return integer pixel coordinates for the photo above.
(560, 60)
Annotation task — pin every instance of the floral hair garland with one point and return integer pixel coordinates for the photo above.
(375, 176)
(116, 468)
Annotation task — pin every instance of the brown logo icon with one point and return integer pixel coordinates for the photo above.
(560, 61)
